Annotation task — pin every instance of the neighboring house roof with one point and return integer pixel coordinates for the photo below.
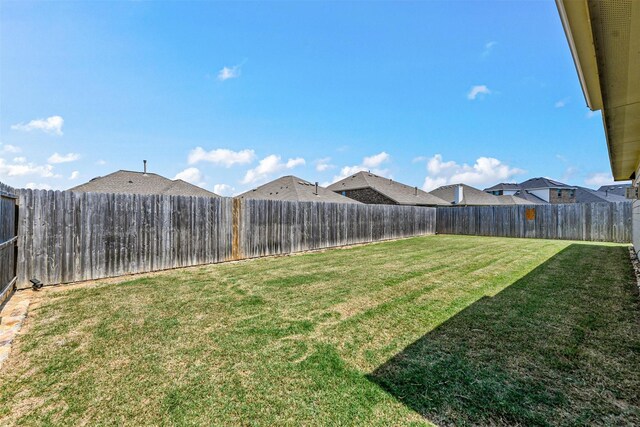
(474, 197)
(400, 193)
(587, 195)
(537, 183)
(530, 198)
(292, 188)
(504, 186)
(618, 189)
(470, 195)
(129, 182)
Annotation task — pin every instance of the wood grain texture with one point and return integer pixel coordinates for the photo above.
(8, 241)
(68, 237)
(598, 222)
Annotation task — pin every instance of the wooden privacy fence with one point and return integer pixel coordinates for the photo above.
(601, 222)
(67, 237)
(269, 227)
(8, 240)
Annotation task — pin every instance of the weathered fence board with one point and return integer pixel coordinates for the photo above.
(67, 237)
(601, 222)
(270, 227)
(8, 240)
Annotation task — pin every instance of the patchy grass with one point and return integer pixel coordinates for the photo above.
(453, 329)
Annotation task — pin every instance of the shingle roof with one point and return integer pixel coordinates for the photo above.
(531, 198)
(542, 183)
(470, 195)
(400, 193)
(504, 186)
(587, 195)
(130, 182)
(475, 197)
(292, 188)
(617, 189)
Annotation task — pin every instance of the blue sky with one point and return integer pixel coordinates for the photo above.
(231, 95)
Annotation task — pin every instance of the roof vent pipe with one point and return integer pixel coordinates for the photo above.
(145, 166)
(416, 188)
(316, 188)
(458, 194)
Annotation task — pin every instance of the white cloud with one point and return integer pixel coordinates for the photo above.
(484, 172)
(376, 160)
(488, 47)
(418, 159)
(370, 163)
(590, 114)
(221, 156)
(323, 164)
(561, 103)
(227, 73)
(269, 166)
(51, 124)
(20, 167)
(292, 163)
(8, 148)
(59, 158)
(41, 186)
(477, 91)
(192, 175)
(101, 162)
(598, 179)
(223, 190)
(74, 175)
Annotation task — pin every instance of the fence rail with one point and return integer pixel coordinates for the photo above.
(67, 237)
(601, 222)
(7, 240)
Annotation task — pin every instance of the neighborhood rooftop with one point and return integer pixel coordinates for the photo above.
(462, 194)
(292, 188)
(396, 192)
(130, 182)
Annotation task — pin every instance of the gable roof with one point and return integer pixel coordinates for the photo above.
(474, 197)
(530, 198)
(292, 188)
(535, 183)
(504, 186)
(618, 189)
(400, 193)
(130, 182)
(587, 195)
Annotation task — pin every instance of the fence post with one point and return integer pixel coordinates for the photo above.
(236, 252)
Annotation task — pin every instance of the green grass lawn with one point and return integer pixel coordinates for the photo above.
(455, 330)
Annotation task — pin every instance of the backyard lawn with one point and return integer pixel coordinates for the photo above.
(454, 330)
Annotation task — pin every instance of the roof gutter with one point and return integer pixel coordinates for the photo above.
(576, 22)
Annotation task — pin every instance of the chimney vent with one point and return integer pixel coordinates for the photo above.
(316, 188)
(458, 194)
(416, 188)
(145, 166)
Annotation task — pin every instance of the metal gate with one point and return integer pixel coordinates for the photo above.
(8, 241)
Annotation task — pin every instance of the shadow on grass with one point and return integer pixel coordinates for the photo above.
(561, 346)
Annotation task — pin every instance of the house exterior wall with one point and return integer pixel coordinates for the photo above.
(564, 196)
(635, 215)
(542, 193)
(368, 196)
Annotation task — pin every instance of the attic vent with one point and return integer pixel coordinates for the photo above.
(130, 182)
